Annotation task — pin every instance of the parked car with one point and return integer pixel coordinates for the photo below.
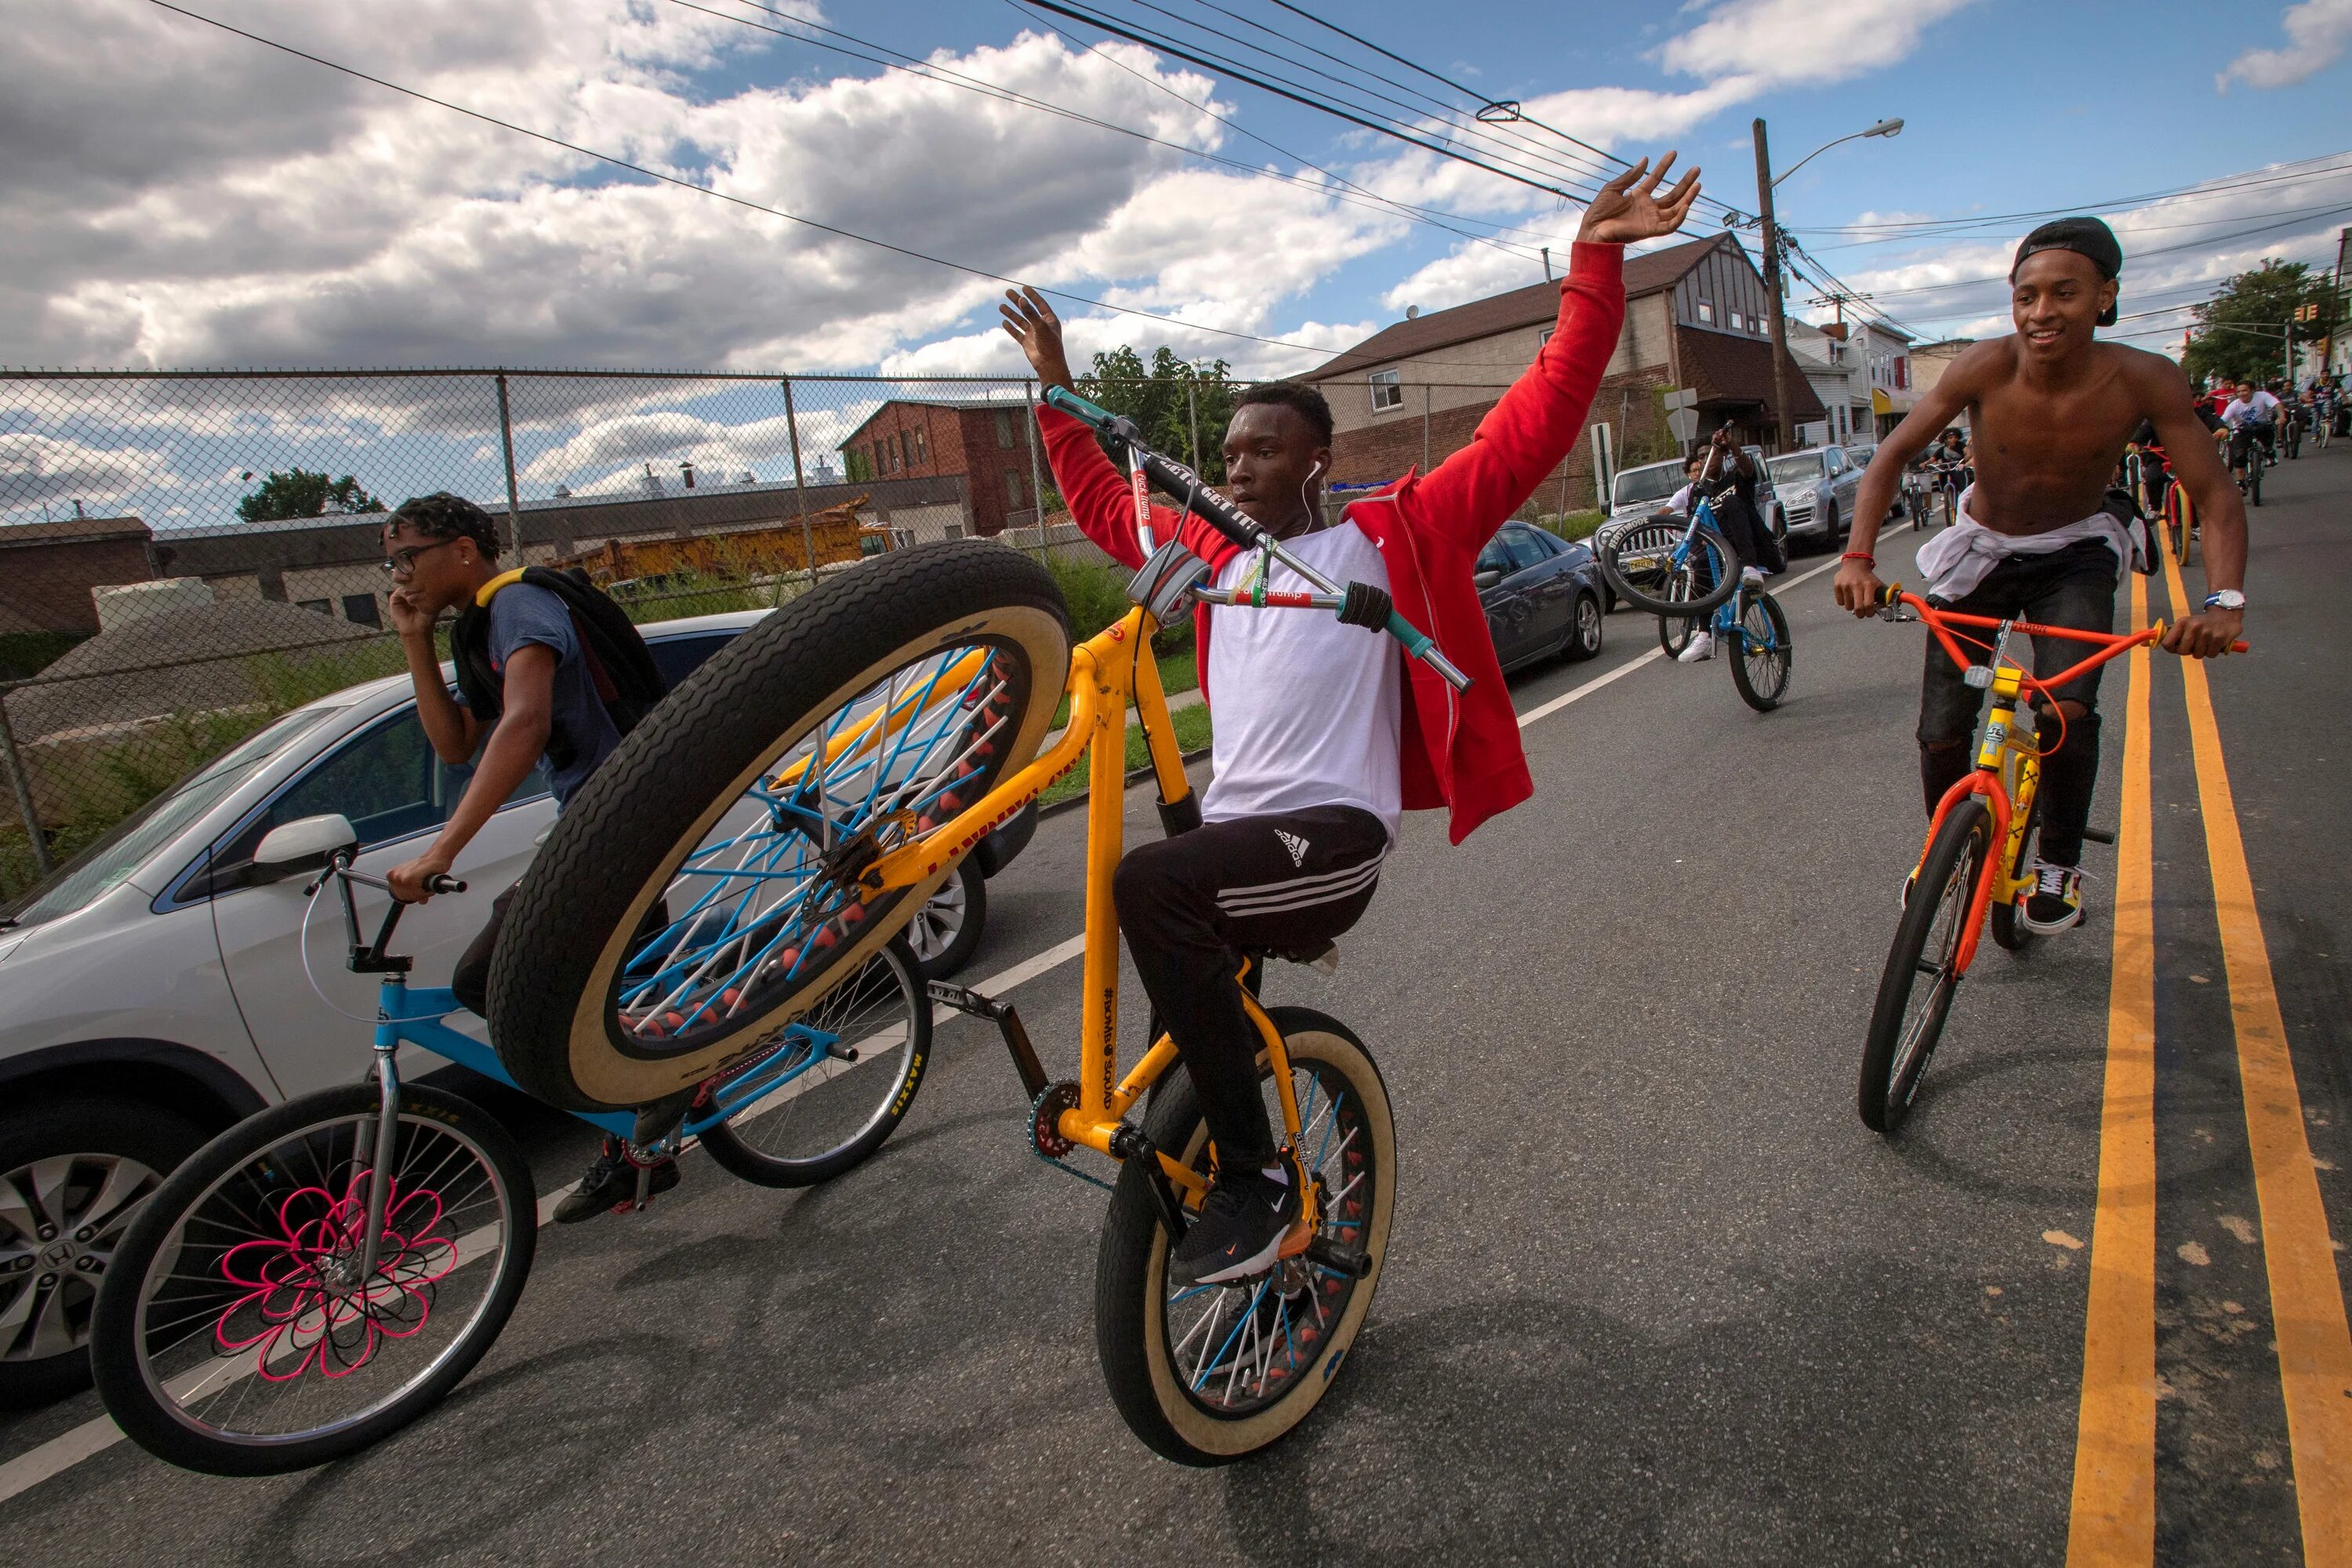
(1542, 594)
(1644, 492)
(155, 990)
(1817, 487)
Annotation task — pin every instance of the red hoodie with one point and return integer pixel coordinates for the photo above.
(1462, 750)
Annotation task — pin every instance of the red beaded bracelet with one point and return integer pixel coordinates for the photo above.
(1858, 555)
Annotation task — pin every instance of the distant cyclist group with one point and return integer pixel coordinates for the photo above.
(1385, 695)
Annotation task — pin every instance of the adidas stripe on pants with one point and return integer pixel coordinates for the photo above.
(1190, 906)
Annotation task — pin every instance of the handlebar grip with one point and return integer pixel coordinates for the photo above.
(444, 884)
(1078, 407)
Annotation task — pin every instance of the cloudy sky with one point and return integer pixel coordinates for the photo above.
(177, 196)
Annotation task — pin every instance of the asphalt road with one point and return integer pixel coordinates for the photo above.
(1653, 1294)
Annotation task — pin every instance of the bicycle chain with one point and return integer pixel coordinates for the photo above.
(1045, 1140)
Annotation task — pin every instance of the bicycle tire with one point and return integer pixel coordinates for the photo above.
(557, 983)
(2254, 480)
(123, 1348)
(2176, 524)
(1642, 550)
(1674, 633)
(1891, 1074)
(1763, 679)
(1143, 1369)
(740, 1156)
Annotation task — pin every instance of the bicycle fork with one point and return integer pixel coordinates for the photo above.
(376, 1151)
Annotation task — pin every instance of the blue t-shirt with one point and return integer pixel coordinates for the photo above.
(579, 729)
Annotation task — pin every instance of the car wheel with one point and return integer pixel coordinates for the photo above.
(72, 1174)
(945, 931)
(1584, 635)
(1830, 533)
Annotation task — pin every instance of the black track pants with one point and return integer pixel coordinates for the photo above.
(1190, 906)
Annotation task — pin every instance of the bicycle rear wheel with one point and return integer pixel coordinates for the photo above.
(836, 1086)
(2009, 929)
(1674, 633)
(1761, 670)
(857, 719)
(1908, 1017)
(1646, 565)
(234, 1333)
(1209, 1374)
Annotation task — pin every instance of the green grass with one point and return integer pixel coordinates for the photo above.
(1192, 733)
(1177, 672)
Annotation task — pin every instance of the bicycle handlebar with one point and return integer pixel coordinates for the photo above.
(1235, 524)
(444, 883)
(1940, 622)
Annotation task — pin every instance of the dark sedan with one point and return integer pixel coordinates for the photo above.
(1542, 596)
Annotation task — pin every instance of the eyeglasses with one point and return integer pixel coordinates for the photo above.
(401, 563)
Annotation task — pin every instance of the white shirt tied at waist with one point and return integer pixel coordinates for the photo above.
(1964, 554)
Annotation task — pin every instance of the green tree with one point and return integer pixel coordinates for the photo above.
(2237, 332)
(1154, 397)
(856, 465)
(298, 492)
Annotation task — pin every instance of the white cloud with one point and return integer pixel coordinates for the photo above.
(1803, 42)
(2316, 31)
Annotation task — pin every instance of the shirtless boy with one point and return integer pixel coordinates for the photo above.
(2049, 411)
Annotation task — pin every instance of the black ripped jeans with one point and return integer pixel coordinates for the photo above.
(2075, 588)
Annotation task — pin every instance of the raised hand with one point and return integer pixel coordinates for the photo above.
(1031, 322)
(1629, 208)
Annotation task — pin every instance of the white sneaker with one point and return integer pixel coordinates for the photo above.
(1752, 576)
(1701, 647)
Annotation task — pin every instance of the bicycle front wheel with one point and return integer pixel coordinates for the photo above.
(1761, 670)
(1647, 565)
(859, 718)
(236, 1332)
(1915, 992)
(837, 1083)
(1209, 1374)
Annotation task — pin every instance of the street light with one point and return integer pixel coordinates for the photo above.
(1764, 186)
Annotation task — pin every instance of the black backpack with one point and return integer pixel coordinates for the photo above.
(622, 668)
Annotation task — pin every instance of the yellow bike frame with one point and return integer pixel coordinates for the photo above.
(1107, 672)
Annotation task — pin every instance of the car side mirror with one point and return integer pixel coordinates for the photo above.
(305, 845)
(1486, 579)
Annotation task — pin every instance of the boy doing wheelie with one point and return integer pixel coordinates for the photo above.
(1324, 736)
(2050, 410)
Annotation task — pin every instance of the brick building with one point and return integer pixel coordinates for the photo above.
(48, 569)
(989, 445)
(1412, 393)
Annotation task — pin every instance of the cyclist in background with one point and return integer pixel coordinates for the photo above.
(1726, 475)
(2251, 416)
(2035, 540)
(549, 704)
(1324, 736)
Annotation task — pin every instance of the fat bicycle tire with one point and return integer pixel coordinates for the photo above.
(562, 965)
(1150, 1378)
(1638, 553)
(1762, 676)
(1901, 1037)
(126, 1334)
(742, 1154)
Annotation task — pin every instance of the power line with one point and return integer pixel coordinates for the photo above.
(2161, 250)
(2182, 193)
(744, 202)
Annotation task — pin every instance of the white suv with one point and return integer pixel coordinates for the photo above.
(155, 990)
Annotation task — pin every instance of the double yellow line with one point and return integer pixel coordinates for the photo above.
(2114, 1512)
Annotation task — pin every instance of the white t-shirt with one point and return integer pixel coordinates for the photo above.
(2262, 406)
(1308, 711)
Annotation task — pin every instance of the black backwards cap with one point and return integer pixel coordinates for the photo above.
(2085, 236)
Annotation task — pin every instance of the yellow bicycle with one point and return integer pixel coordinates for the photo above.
(757, 844)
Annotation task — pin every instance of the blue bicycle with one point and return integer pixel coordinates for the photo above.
(325, 1271)
(1681, 569)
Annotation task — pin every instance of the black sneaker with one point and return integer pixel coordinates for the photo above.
(2056, 902)
(1247, 1222)
(610, 1184)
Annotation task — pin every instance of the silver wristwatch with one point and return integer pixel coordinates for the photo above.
(2225, 599)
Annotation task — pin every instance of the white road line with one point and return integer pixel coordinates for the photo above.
(60, 1453)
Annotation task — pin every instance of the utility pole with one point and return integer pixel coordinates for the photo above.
(1772, 289)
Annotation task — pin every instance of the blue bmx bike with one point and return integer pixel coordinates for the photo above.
(325, 1271)
(1681, 569)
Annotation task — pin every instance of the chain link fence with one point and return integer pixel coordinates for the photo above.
(183, 556)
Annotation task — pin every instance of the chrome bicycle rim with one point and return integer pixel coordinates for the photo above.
(838, 1072)
(1923, 1011)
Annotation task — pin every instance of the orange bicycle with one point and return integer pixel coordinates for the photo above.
(1974, 868)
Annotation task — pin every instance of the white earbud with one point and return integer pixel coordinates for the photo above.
(1315, 470)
